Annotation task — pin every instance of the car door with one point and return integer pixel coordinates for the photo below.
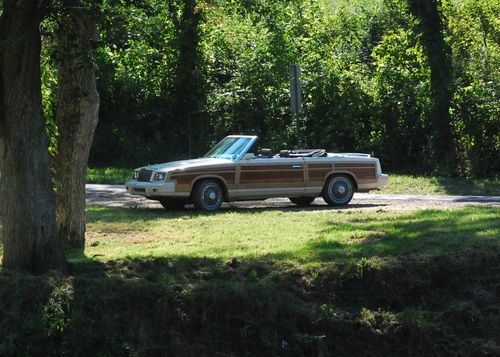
(270, 177)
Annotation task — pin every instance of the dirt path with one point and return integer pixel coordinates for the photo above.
(115, 196)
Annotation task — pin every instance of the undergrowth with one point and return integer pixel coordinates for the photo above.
(409, 305)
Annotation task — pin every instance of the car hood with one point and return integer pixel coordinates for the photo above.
(184, 164)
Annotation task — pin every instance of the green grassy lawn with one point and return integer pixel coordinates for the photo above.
(109, 175)
(398, 184)
(291, 236)
(265, 282)
(428, 185)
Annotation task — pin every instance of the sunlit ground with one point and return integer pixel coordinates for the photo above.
(292, 236)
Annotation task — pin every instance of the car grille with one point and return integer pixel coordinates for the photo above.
(145, 175)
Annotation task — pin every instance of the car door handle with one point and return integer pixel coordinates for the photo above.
(296, 166)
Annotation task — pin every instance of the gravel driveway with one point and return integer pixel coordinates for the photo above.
(115, 196)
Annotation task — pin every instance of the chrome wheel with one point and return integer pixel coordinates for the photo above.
(208, 196)
(338, 190)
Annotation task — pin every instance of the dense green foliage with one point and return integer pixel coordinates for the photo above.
(212, 68)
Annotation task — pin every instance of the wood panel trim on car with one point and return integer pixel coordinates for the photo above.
(317, 173)
(272, 167)
(185, 179)
(362, 173)
(272, 174)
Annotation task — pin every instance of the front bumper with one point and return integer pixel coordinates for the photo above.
(154, 189)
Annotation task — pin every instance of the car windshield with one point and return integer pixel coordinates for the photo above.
(229, 148)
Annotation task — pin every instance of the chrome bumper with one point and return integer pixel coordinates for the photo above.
(382, 180)
(154, 189)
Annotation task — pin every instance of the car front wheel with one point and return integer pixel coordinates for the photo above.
(208, 196)
(338, 190)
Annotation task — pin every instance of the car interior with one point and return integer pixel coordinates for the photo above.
(268, 153)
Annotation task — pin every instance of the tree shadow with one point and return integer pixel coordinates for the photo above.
(427, 232)
(470, 187)
(422, 232)
(186, 305)
(105, 214)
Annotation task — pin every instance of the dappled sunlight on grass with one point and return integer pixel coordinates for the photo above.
(218, 277)
(428, 231)
(301, 237)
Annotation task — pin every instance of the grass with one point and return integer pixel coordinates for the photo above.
(398, 184)
(265, 282)
(291, 236)
(426, 185)
(108, 175)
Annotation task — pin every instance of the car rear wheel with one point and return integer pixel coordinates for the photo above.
(208, 195)
(338, 190)
(302, 201)
(173, 204)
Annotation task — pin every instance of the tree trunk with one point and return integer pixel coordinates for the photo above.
(439, 56)
(27, 198)
(187, 76)
(77, 117)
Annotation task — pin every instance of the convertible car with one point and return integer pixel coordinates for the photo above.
(231, 171)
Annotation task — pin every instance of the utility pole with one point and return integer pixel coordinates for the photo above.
(296, 99)
(190, 136)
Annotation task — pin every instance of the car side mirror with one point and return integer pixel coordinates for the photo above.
(248, 156)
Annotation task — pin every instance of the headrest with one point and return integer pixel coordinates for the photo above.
(284, 153)
(266, 152)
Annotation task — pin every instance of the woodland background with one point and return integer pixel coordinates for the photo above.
(218, 67)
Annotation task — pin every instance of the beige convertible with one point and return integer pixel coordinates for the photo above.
(230, 171)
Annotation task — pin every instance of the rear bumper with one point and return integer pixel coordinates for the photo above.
(154, 189)
(382, 180)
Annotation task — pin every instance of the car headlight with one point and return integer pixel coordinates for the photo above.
(160, 176)
(135, 176)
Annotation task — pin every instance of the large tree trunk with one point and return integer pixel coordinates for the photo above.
(27, 199)
(77, 117)
(187, 76)
(439, 55)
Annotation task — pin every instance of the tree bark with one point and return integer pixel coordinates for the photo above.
(187, 76)
(439, 55)
(77, 117)
(27, 197)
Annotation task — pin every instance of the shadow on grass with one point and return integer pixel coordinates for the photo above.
(105, 214)
(188, 306)
(427, 304)
(471, 187)
(352, 237)
(421, 232)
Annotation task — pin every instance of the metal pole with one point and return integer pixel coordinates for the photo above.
(295, 99)
(189, 130)
(296, 121)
